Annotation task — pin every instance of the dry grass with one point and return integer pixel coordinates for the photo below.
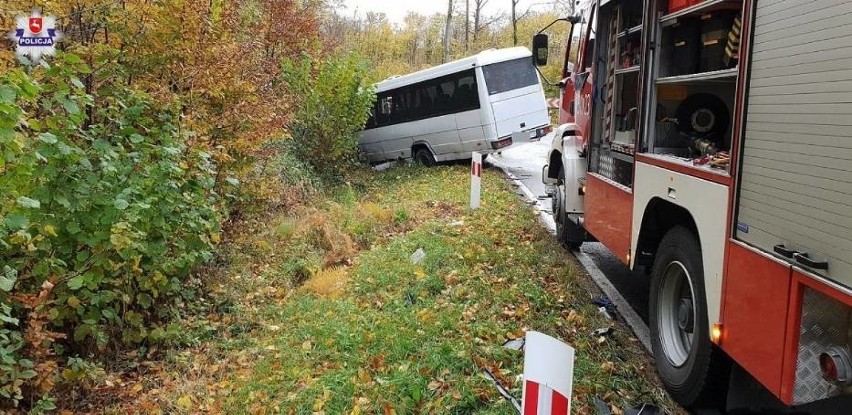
(382, 215)
(328, 282)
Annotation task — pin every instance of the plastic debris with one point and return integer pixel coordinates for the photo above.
(417, 256)
(607, 306)
(643, 409)
(514, 344)
(603, 301)
(502, 389)
(603, 332)
(384, 166)
(602, 407)
(457, 223)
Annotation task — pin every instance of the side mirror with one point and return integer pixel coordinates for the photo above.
(540, 49)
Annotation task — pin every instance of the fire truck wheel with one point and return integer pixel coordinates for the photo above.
(569, 234)
(691, 367)
(424, 157)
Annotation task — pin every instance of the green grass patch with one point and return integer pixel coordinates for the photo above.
(328, 313)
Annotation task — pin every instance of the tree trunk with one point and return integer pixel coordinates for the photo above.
(476, 24)
(514, 23)
(447, 31)
(466, 25)
(477, 18)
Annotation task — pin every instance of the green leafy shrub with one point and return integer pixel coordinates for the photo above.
(333, 107)
(100, 221)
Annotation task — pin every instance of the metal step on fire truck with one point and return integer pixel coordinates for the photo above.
(709, 143)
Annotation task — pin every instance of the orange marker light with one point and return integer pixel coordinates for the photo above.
(716, 333)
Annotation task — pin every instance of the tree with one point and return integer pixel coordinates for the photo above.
(515, 22)
(564, 7)
(466, 25)
(447, 31)
(477, 18)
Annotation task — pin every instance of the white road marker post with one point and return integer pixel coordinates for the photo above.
(475, 179)
(548, 375)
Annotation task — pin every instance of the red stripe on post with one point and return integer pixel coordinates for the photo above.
(559, 405)
(531, 399)
(478, 169)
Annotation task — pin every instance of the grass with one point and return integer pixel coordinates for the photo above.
(321, 310)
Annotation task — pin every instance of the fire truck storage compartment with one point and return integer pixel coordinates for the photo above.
(626, 94)
(619, 39)
(795, 196)
(675, 5)
(720, 32)
(696, 81)
(681, 50)
(702, 40)
(683, 106)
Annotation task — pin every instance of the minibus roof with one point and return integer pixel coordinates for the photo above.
(483, 58)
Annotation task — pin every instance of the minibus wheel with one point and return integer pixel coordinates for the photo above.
(424, 157)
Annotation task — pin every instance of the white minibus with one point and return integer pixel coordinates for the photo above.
(480, 103)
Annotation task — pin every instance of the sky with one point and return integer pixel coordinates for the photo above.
(397, 9)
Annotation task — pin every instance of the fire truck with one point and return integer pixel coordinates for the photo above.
(709, 145)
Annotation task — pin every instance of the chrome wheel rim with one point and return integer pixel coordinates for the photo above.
(676, 320)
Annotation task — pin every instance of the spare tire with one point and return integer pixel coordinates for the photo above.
(704, 115)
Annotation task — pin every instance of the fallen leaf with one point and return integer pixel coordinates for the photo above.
(419, 274)
(184, 402)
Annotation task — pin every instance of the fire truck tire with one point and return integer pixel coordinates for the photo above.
(568, 233)
(694, 371)
(424, 157)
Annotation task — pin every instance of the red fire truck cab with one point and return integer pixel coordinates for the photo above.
(710, 144)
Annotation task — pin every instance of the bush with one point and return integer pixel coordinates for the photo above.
(100, 224)
(333, 107)
(281, 180)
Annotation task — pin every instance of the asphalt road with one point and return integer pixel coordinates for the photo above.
(524, 161)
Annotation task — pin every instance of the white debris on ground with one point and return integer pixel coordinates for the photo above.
(417, 256)
(384, 166)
